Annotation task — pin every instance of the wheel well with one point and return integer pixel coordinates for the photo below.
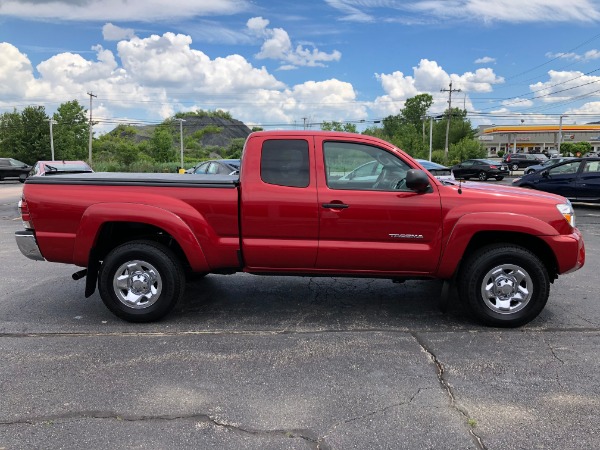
(527, 241)
(113, 234)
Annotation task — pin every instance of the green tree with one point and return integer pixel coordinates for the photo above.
(127, 153)
(162, 145)
(36, 135)
(415, 109)
(71, 132)
(466, 148)
(234, 150)
(575, 148)
(338, 126)
(11, 134)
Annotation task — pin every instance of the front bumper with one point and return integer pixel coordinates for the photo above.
(28, 245)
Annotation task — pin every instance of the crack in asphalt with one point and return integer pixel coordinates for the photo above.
(306, 435)
(371, 413)
(448, 389)
(553, 352)
(286, 330)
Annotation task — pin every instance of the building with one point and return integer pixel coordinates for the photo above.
(535, 138)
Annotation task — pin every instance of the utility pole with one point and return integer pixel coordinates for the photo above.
(304, 119)
(51, 138)
(449, 91)
(430, 136)
(91, 127)
(560, 132)
(181, 142)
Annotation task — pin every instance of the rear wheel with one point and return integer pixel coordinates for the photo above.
(504, 285)
(482, 176)
(141, 281)
(514, 167)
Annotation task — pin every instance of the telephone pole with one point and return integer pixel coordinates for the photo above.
(91, 125)
(51, 138)
(181, 142)
(449, 91)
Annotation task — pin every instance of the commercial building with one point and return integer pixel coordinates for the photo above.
(535, 138)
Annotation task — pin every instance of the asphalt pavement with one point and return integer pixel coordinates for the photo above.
(248, 362)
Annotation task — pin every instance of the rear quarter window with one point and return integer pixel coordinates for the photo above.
(285, 162)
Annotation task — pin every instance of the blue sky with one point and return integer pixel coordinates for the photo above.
(277, 64)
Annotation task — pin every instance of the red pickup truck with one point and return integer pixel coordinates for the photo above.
(304, 203)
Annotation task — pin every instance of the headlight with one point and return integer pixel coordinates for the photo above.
(567, 211)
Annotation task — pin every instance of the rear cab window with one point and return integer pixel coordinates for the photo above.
(285, 162)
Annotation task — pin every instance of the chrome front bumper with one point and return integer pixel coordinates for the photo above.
(28, 245)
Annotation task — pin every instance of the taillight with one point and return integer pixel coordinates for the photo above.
(508, 158)
(25, 216)
(493, 167)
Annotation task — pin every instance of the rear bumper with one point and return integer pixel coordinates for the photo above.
(28, 245)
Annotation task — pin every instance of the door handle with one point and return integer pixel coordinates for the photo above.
(335, 205)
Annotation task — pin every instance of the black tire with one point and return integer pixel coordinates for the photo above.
(499, 178)
(508, 271)
(151, 280)
(482, 176)
(514, 167)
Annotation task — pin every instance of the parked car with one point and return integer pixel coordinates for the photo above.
(480, 168)
(12, 168)
(45, 168)
(547, 163)
(578, 179)
(217, 167)
(516, 161)
(438, 170)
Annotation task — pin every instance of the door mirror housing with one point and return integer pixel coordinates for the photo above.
(417, 180)
(545, 174)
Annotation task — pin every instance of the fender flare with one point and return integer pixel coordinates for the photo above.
(100, 213)
(469, 225)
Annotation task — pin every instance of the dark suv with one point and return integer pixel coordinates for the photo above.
(517, 161)
(11, 168)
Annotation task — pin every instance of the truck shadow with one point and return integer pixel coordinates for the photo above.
(247, 302)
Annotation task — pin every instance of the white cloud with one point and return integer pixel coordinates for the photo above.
(587, 56)
(155, 77)
(112, 32)
(353, 11)
(429, 77)
(566, 85)
(15, 72)
(485, 60)
(518, 103)
(278, 46)
(416, 12)
(120, 10)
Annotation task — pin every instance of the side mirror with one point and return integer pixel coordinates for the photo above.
(545, 174)
(417, 180)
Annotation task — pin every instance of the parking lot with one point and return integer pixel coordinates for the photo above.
(248, 362)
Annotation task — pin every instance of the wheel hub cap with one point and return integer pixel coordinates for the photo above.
(137, 284)
(506, 289)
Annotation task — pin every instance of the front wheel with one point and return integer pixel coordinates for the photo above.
(141, 281)
(514, 167)
(482, 176)
(504, 285)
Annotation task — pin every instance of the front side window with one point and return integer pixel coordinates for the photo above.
(568, 168)
(285, 162)
(592, 166)
(355, 166)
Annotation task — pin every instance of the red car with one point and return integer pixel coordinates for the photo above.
(45, 168)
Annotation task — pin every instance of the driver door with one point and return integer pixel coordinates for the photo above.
(381, 226)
